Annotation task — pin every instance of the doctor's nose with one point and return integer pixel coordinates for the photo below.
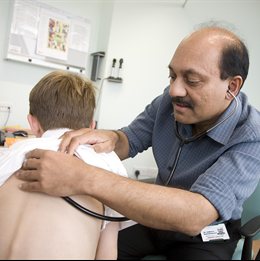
(177, 89)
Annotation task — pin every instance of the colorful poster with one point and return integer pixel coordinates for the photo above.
(53, 40)
(58, 35)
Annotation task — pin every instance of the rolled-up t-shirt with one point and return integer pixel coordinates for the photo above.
(11, 159)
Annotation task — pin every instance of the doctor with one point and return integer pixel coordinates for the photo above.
(206, 142)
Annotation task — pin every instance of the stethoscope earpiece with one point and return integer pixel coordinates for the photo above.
(228, 91)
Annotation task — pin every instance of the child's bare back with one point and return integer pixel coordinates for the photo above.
(37, 226)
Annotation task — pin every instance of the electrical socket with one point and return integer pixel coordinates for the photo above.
(5, 107)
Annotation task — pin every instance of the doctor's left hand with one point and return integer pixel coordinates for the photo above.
(54, 173)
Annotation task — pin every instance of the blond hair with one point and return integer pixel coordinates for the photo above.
(63, 99)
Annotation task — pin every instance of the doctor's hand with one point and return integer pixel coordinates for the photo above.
(101, 140)
(54, 173)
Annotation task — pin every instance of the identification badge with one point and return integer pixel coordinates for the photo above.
(213, 233)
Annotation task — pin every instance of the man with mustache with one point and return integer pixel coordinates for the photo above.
(206, 142)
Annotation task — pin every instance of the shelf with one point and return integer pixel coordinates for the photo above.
(117, 80)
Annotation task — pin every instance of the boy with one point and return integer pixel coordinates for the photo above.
(37, 226)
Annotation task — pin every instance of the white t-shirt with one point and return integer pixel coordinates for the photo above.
(12, 158)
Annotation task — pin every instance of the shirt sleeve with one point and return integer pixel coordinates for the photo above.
(140, 131)
(231, 180)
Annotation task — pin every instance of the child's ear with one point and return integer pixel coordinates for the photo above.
(92, 125)
(35, 125)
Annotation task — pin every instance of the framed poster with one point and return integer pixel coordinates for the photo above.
(46, 36)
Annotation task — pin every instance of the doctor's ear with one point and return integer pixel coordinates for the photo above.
(234, 86)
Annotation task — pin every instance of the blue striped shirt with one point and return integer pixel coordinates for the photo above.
(223, 166)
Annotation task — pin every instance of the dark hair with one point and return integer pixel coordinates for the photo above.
(234, 60)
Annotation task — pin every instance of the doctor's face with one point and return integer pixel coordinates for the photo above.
(198, 93)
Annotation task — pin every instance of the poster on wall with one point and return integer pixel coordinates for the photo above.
(53, 40)
(44, 35)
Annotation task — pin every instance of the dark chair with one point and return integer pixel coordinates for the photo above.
(248, 231)
(251, 224)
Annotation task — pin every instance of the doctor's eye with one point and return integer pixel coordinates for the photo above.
(172, 77)
(192, 83)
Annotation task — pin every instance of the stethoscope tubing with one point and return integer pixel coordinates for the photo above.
(92, 213)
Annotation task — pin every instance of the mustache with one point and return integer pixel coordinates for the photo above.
(182, 101)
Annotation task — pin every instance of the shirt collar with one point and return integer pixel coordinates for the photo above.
(57, 133)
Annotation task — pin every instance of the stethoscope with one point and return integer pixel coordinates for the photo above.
(92, 213)
(183, 141)
(196, 137)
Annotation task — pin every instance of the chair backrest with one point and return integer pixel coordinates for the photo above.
(252, 207)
